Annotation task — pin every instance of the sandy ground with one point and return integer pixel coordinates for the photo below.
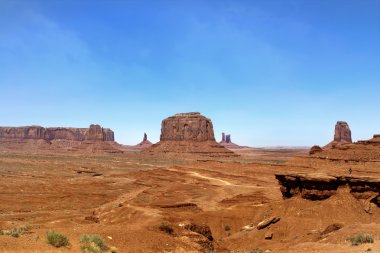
(125, 197)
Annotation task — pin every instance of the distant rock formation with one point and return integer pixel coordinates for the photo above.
(190, 133)
(227, 143)
(187, 127)
(94, 132)
(342, 134)
(145, 143)
(315, 149)
(228, 138)
(145, 138)
(92, 139)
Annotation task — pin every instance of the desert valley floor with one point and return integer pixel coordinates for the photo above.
(213, 204)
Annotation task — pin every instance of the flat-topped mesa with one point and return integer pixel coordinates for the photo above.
(188, 133)
(94, 132)
(342, 133)
(187, 127)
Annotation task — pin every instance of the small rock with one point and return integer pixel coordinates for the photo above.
(268, 236)
(248, 227)
(93, 219)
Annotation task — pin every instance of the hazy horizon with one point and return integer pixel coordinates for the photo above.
(270, 73)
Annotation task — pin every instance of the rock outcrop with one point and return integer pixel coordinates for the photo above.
(90, 140)
(94, 132)
(227, 143)
(315, 149)
(228, 138)
(342, 134)
(190, 133)
(317, 186)
(187, 127)
(145, 143)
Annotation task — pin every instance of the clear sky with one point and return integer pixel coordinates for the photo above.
(269, 72)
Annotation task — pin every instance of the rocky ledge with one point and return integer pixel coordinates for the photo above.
(316, 186)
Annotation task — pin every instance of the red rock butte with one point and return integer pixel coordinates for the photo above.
(342, 134)
(187, 127)
(91, 139)
(188, 133)
(227, 143)
(94, 132)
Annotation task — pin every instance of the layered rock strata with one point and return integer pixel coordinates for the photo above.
(94, 139)
(190, 133)
(342, 134)
(94, 132)
(317, 186)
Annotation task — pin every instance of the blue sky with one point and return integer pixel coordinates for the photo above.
(268, 72)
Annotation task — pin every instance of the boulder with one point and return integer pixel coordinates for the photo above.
(331, 228)
(268, 236)
(265, 223)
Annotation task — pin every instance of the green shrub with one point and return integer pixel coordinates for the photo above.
(167, 228)
(93, 244)
(361, 238)
(227, 227)
(56, 239)
(15, 232)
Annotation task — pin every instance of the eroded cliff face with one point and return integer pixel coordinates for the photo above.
(342, 132)
(188, 133)
(317, 186)
(187, 127)
(94, 132)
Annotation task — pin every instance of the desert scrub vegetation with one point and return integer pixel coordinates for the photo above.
(167, 228)
(227, 227)
(93, 244)
(56, 239)
(15, 232)
(360, 239)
